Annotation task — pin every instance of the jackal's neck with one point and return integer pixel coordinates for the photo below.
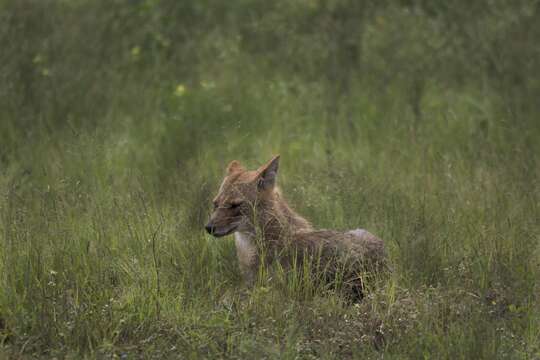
(277, 218)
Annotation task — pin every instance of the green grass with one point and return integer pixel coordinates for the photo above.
(102, 247)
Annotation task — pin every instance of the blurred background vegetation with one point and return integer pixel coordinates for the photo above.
(416, 119)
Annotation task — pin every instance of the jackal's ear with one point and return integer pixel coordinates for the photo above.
(267, 174)
(234, 166)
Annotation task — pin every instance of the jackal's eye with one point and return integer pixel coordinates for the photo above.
(215, 204)
(231, 205)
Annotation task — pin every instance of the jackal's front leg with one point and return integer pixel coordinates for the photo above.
(249, 273)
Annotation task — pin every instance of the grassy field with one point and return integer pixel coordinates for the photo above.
(117, 120)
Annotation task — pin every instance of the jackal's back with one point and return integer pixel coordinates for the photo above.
(358, 246)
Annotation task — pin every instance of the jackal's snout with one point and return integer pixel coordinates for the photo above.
(209, 228)
(218, 226)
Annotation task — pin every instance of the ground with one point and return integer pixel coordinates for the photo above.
(115, 136)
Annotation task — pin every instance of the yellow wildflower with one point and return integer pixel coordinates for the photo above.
(180, 90)
(135, 51)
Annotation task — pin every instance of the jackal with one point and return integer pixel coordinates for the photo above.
(266, 229)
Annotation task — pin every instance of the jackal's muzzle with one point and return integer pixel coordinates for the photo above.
(220, 231)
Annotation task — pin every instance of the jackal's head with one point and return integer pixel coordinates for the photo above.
(238, 195)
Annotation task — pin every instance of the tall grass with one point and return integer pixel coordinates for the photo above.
(110, 159)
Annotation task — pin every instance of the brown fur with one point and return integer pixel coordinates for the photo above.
(266, 229)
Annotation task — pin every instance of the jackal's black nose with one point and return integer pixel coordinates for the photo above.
(209, 229)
